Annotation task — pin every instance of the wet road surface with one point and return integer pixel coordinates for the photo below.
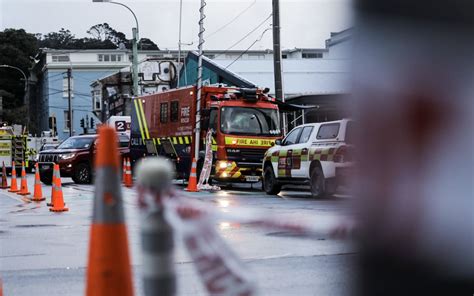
(44, 253)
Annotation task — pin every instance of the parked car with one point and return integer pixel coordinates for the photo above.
(75, 157)
(318, 154)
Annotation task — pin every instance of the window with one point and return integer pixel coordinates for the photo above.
(66, 119)
(284, 56)
(317, 55)
(174, 111)
(58, 58)
(109, 57)
(292, 137)
(164, 112)
(65, 87)
(97, 100)
(350, 133)
(305, 134)
(250, 121)
(328, 131)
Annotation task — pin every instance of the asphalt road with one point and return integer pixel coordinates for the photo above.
(44, 253)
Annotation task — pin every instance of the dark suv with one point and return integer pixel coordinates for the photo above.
(75, 157)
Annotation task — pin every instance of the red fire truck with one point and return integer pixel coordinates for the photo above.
(245, 123)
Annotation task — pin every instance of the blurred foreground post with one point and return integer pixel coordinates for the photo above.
(414, 71)
(154, 182)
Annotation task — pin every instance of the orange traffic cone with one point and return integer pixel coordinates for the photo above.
(4, 178)
(38, 193)
(192, 183)
(24, 182)
(108, 269)
(14, 185)
(53, 187)
(128, 174)
(58, 199)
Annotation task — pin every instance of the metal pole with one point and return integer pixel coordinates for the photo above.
(135, 62)
(179, 38)
(199, 81)
(277, 68)
(69, 101)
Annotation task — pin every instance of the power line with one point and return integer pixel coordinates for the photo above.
(243, 38)
(232, 20)
(245, 51)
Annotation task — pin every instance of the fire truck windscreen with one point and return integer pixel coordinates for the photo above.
(250, 121)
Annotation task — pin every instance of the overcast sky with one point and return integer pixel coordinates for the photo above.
(305, 23)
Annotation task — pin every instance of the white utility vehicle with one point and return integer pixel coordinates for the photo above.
(315, 154)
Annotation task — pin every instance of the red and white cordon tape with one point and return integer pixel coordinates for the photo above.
(220, 269)
(203, 183)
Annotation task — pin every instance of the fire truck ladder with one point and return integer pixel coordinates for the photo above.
(18, 147)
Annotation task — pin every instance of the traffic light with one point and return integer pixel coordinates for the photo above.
(82, 123)
(92, 122)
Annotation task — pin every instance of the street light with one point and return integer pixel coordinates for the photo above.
(134, 47)
(26, 86)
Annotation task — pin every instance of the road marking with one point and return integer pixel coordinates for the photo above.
(12, 197)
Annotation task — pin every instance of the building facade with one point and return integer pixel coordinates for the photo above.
(305, 72)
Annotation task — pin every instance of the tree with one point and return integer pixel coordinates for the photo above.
(147, 44)
(104, 32)
(58, 40)
(16, 49)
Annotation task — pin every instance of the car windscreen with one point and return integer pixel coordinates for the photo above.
(76, 143)
(250, 121)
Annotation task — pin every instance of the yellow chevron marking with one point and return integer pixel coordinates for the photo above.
(137, 111)
(145, 125)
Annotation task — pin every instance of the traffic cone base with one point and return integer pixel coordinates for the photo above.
(109, 247)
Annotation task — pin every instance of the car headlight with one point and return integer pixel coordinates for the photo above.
(224, 164)
(67, 156)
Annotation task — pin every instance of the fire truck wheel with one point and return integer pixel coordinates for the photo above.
(82, 174)
(270, 183)
(317, 183)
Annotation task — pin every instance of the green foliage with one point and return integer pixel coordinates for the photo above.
(16, 48)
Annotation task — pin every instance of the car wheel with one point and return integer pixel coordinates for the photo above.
(317, 183)
(82, 174)
(270, 183)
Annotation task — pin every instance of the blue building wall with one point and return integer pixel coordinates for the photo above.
(56, 104)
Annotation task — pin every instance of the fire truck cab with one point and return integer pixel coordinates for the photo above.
(245, 123)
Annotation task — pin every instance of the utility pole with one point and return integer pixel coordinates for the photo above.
(197, 134)
(179, 37)
(277, 69)
(69, 100)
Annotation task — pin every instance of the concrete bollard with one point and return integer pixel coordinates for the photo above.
(154, 176)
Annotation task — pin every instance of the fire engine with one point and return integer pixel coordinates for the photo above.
(245, 123)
